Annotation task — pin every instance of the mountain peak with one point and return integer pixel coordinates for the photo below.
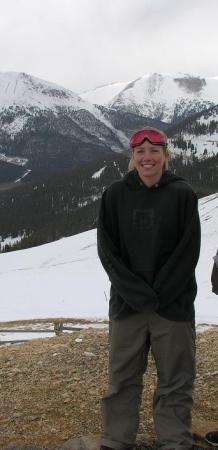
(162, 96)
(22, 89)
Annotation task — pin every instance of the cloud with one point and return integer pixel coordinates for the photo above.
(92, 42)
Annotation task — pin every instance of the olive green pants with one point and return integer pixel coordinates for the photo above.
(173, 347)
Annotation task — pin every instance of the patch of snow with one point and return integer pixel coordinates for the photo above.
(98, 173)
(200, 142)
(16, 160)
(23, 176)
(23, 336)
(201, 327)
(9, 240)
(95, 197)
(81, 204)
(15, 126)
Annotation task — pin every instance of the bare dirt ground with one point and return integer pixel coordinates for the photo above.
(50, 389)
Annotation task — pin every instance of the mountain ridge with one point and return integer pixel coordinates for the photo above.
(47, 124)
(46, 127)
(160, 96)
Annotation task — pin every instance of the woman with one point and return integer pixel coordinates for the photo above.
(148, 243)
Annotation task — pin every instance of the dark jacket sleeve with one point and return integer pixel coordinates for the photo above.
(174, 276)
(214, 275)
(133, 290)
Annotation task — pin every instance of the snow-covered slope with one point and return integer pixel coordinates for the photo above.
(103, 95)
(200, 135)
(22, 89)
(65, 278)
(162, 96)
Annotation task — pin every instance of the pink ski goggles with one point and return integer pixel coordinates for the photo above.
(154, 136)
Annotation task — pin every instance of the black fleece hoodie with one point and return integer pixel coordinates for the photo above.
(149, 243)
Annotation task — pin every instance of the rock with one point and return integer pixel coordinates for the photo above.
(83, 443)
(89, 354)
(92, 442)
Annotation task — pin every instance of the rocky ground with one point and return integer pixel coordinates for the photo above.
(50, 389)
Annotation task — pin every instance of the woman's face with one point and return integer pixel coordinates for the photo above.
(149, 160)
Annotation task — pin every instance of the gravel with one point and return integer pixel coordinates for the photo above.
(50, 389)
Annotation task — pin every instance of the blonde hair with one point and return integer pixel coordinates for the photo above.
(131, 165)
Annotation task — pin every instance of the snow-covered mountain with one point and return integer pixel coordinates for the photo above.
(21, 89)
(46, 127)
(65, 278)
(47, 124)
(165, 97)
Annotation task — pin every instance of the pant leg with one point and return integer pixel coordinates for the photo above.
(173, 347)
(129, 346)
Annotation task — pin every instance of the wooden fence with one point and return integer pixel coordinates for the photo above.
(59, 328)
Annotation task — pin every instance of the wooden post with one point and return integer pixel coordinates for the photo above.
(58, 327)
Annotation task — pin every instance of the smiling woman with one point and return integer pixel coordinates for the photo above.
(150, 154)
(148, 243)
(149, 161)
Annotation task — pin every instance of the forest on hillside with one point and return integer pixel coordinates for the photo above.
(67, 202)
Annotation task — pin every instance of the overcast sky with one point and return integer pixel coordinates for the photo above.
(81, 44)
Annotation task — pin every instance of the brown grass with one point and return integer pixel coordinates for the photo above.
(50, 389)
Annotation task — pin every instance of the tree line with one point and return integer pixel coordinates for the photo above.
(66, 203)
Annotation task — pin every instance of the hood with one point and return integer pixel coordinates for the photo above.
(135, 183)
